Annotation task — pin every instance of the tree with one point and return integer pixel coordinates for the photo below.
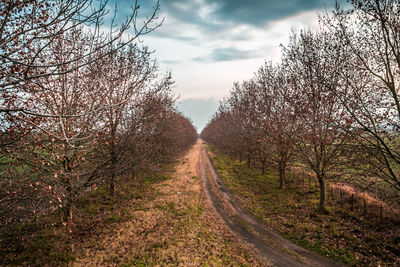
(319, 140)
(277, 121)
(243, 106)
(28, 29)
(370, 82)
(124, 75)
(52, 108)
(60, 147)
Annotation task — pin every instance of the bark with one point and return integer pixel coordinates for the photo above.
(282, 174)
(263, 166)
(114, 161)
(68, 212)
(113, 171)
(321, 207)
(133, 172)
(69, 200)
(68, 206)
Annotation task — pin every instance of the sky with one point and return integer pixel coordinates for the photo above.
(208, 45)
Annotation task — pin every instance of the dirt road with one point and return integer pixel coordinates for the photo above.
(172, 224)
(190, 219)
(267, 243)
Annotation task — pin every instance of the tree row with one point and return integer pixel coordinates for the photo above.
(81, 104)
(330, 107)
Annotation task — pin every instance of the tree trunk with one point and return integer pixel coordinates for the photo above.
(112, 185)
(365, 208)
(133, 172)
(68, 207)
(321, 207)
(68, 213)
(112, 176)
(69, 200)
(263, 166)
(352, 202)
(282, 174)
(113, 166)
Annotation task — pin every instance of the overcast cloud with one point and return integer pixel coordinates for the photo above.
(208, 45)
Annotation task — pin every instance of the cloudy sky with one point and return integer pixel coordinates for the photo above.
(208, 45)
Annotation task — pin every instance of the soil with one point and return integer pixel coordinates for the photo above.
(173, 225)
(191, 220)
(268, 243)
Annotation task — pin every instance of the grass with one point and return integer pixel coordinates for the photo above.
(35, 244)
(192, 240)
(176, 228)
(188, 225)
(46, 240)
(343, 235)
(151, 222)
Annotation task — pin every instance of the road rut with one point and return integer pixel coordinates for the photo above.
(267, 243)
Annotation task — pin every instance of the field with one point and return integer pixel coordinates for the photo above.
(160, 219)
(341, 234)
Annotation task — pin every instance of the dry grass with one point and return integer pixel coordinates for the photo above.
(163, 219)
(341, 234)
(171, 225)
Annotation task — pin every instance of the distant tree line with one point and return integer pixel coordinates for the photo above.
(331, 106)
(79, 106)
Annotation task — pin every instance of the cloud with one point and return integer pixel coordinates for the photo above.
(166, 34)
(197, 12)
(171, 62)
(228, 54)
(119, 11)
(260, 12)
(199, 110)
(216, 16)
(208, 44)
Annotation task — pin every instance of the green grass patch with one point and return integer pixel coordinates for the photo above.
(339, 233)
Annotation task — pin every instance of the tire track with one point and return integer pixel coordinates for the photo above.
(269, 244)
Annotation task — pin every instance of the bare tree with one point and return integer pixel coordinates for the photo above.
(124, 74)
(319, 140)
(277, 121)
(28, 29)
(52, 105)
(370, 37)
(59, 146)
